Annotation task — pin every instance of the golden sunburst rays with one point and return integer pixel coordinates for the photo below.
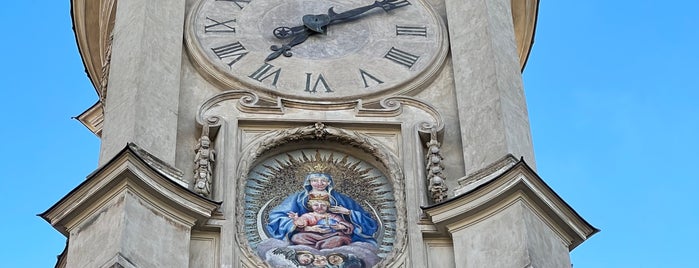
(284, 174)
(276, 178)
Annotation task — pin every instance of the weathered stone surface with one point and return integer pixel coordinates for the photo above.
(512, 219)
(144, 79)
(492, 111)
(128, 213)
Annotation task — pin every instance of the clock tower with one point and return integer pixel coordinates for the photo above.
(308, 133)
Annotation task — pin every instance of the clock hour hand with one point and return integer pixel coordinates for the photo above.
(299, 34)
(284, 32)
(318, 23)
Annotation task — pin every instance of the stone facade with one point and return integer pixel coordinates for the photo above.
(440, 175)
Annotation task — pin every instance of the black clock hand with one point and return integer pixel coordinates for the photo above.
(318, 23)
(313, 24)
(300, 34)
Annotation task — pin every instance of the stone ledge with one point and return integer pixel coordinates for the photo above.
(128, 169)
(519, 183)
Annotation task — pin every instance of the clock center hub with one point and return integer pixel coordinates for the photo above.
(339, 40)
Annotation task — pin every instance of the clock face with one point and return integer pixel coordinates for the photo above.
(367, 55)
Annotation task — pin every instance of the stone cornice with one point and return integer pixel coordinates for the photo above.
(129, 171)
(518, 184)
(92, 118)
(524, 14)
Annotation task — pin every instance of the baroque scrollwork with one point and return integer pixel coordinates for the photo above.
(393, 106)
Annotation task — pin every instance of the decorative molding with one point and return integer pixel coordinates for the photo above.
(213, 239)
(485, 174)
(393, 106)
(131, 171)
(93, 24)
(118, 261)
(519, 183)
(249, 102)
(524, 14)
(92, 118)
(160, 166)
(104, 78)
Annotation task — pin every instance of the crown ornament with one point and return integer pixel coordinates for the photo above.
(315, 167)
(319, 197)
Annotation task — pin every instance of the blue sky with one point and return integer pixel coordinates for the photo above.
(612, 90)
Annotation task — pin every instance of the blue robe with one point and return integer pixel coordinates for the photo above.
(281, 227)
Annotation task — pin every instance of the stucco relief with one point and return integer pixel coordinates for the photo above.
(204, 159)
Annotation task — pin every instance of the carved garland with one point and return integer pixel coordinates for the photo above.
(435, 177)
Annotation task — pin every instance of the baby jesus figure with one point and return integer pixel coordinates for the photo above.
(319, 228)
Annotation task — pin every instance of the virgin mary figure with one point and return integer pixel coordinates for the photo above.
(281, 224)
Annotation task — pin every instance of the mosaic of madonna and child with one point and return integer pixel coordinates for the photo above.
(319, 208)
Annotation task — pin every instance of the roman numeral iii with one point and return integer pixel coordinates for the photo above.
(411, 30)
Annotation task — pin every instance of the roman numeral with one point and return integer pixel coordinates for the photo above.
(219, 26)
(401, 57)
(263, 73)
(238, 3)
(319, 82)
(411, 30)
(364, 75)
(235, 50)
(395, 4)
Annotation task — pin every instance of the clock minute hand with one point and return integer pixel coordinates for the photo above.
(318, 23)
(313, 24)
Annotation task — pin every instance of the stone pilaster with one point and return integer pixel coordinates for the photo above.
(142, 96)
(491, 105)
